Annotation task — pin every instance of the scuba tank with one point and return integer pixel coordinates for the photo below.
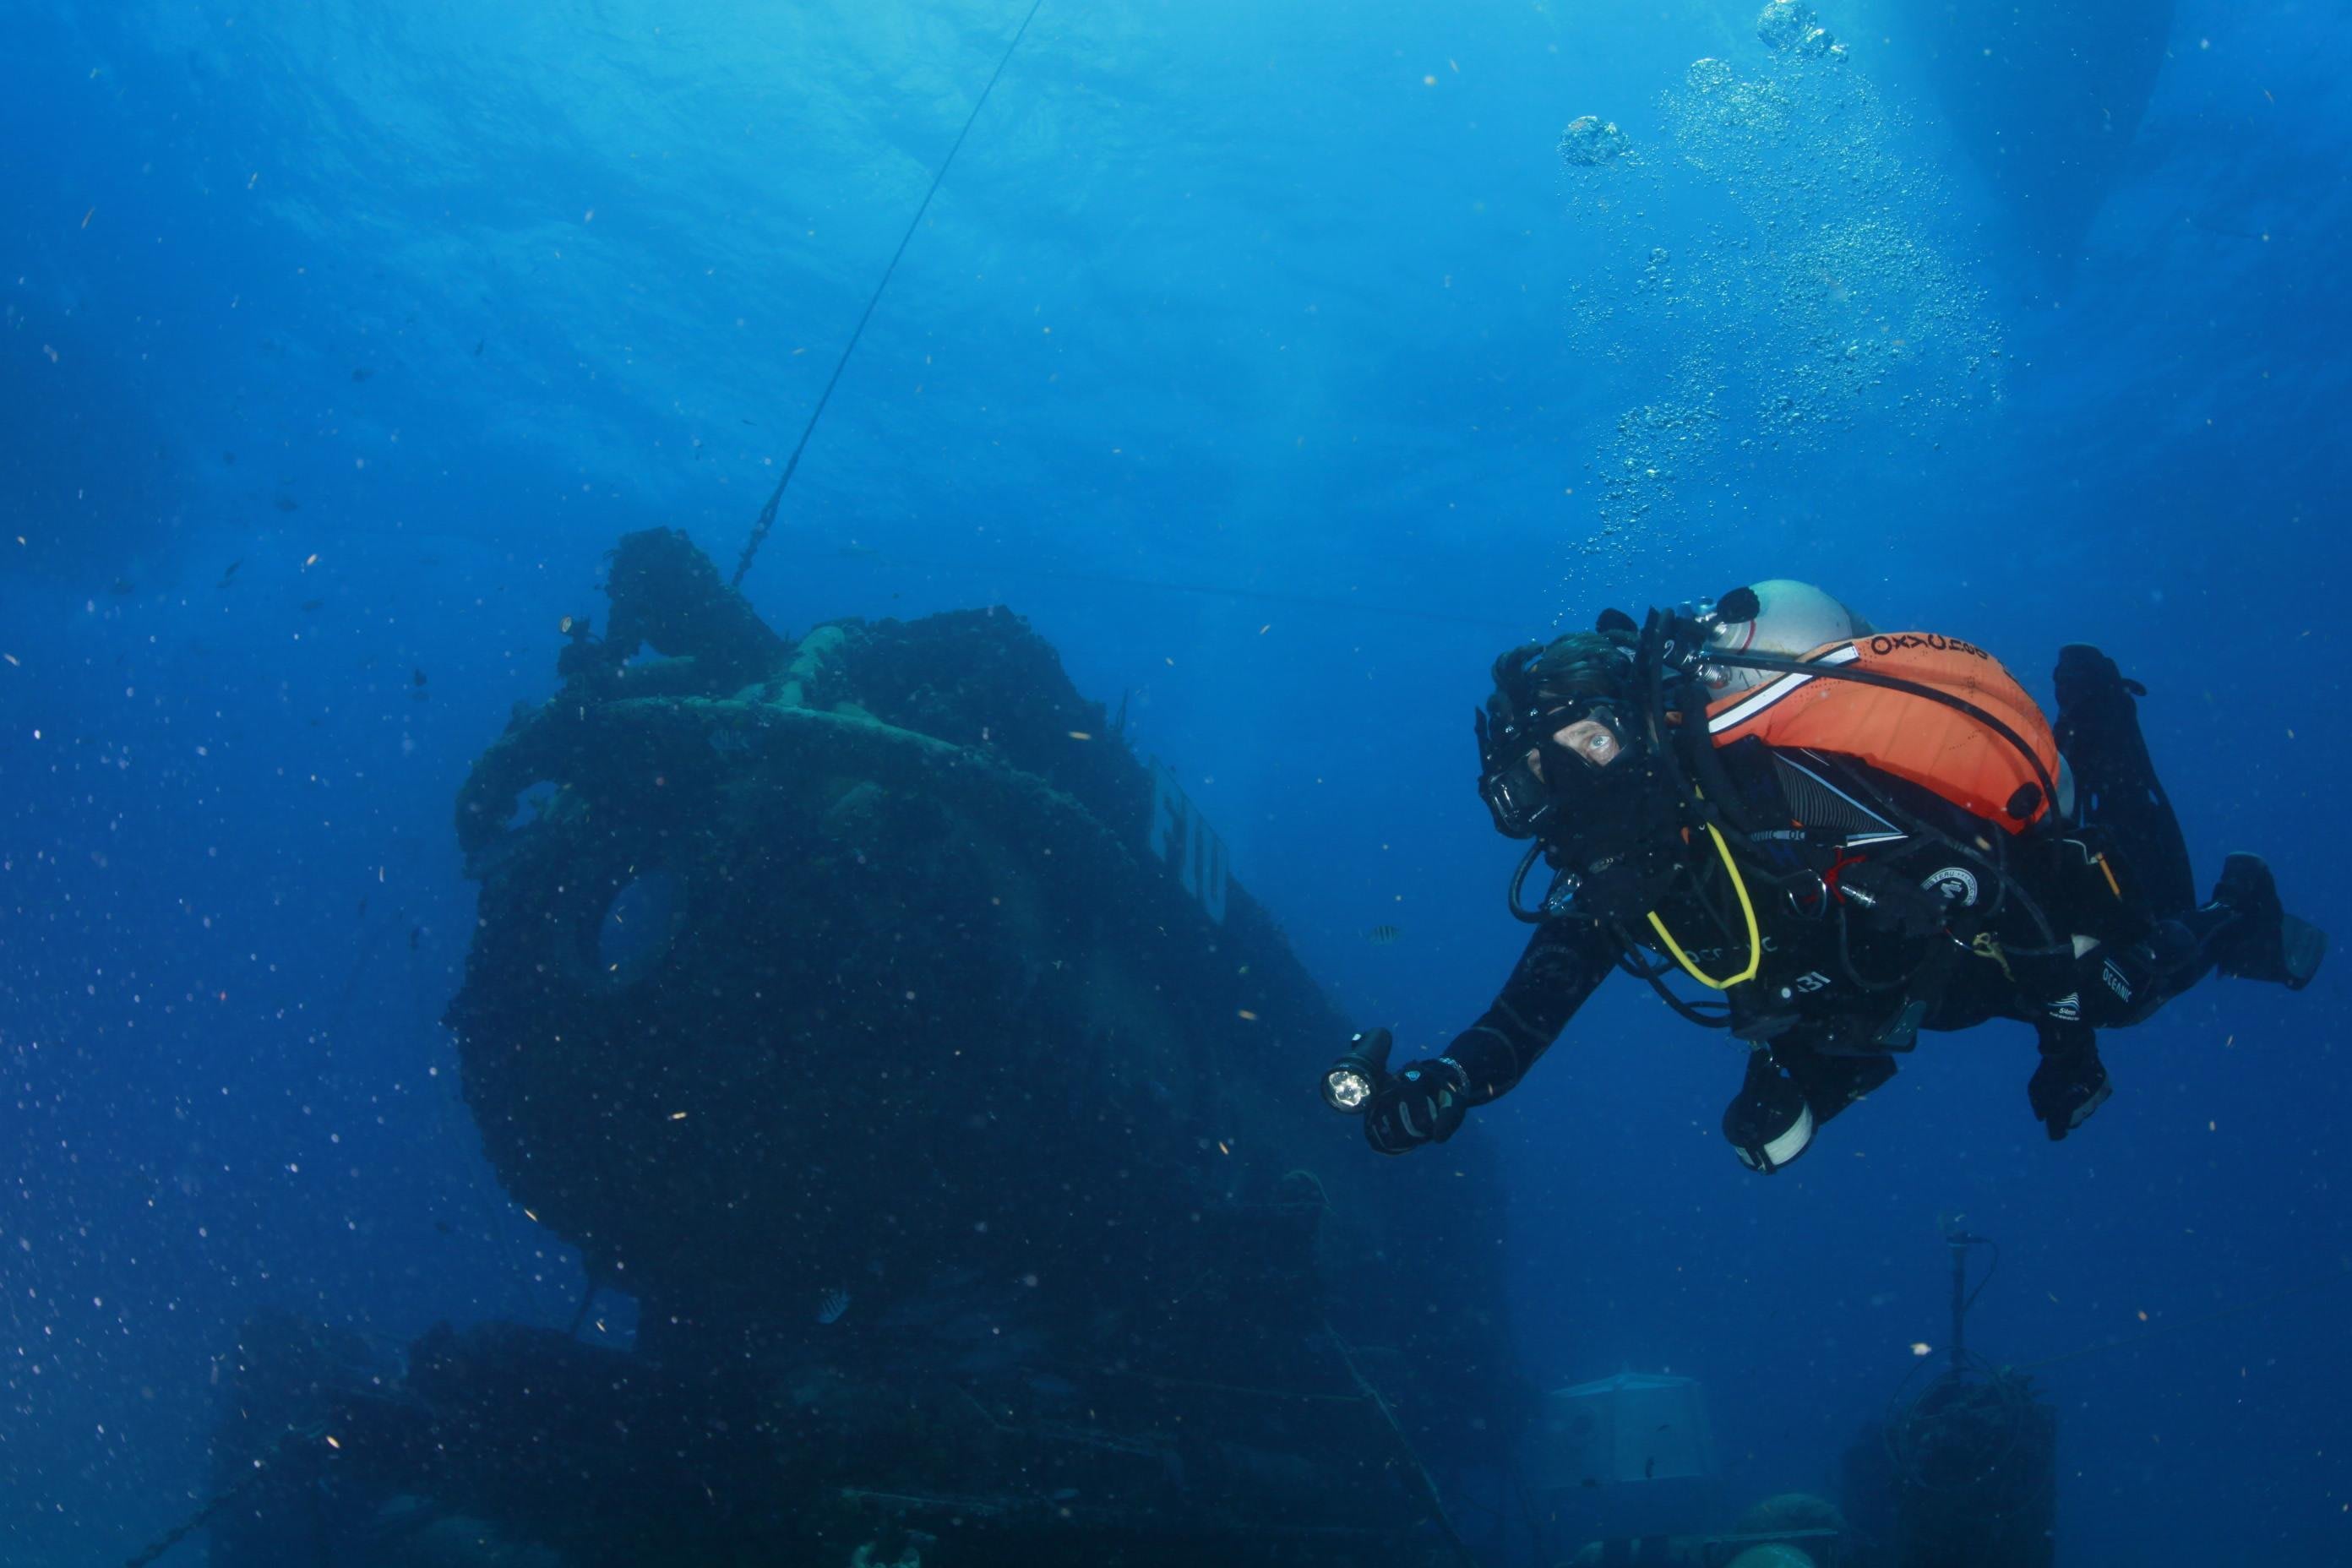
(1792, 620)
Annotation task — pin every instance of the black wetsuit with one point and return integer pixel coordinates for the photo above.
(1884, 911)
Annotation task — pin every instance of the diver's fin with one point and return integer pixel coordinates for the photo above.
(2263, 942)
(2085, 673)
(2302, 947)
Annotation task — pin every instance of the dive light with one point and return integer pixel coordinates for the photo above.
(1348, 1086)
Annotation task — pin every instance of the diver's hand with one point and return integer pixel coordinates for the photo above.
(2070, 1084)
(1422, 1103)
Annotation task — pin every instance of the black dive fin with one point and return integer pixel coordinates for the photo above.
(2263, 942)
(2300, 947)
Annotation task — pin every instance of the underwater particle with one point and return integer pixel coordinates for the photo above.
(1382, 936)
(1590, 142)
(1080, 735)
(1919, 1347)
(830, 1306)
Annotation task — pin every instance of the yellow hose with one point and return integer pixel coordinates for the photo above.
(1748, 913)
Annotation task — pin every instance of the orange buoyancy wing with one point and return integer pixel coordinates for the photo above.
(1911, 736)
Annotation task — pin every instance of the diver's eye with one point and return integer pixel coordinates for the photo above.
(1590, 741)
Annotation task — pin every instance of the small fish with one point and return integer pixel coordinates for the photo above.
(229, 457)
(830, 1306)
(362, 373)
(729, 740)
(287, 503)
(417, 935)
(478, 343)
(363, 906)
(1382, 936)
(121, 588)
(416, 676)
(312, 604)
(1649, 1469)
(232, 571)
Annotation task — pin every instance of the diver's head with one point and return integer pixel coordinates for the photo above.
(1560, 716)
(1568, 756)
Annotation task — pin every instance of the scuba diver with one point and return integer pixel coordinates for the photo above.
(1844, 835)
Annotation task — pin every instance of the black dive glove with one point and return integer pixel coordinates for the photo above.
(1422, 1102)
(2070, 1084)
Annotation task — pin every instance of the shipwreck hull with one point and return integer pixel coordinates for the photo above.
(783, 995)
(901, 1015)
(868, 1011)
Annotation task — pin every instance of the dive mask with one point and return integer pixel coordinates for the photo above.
(1529, 780)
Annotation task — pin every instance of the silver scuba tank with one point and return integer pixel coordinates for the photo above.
(1792, 620)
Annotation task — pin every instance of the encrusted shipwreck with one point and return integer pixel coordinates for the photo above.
(863, 1008)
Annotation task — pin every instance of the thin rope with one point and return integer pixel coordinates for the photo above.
(768, 512)
(1415, 1472)
(222, 1498)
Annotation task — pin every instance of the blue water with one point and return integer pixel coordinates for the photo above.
(1273, 362)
